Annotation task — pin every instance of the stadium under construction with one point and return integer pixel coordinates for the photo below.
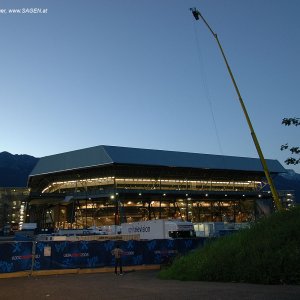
(106, 185)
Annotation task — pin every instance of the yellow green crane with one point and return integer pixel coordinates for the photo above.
(197, 15)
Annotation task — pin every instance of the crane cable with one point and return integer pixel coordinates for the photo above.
(205, 88)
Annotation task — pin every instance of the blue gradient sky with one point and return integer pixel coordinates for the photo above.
(145, 74)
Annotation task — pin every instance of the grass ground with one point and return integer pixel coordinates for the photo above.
(268, 253)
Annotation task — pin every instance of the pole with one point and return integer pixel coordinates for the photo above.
(277, 202)
(86, 204)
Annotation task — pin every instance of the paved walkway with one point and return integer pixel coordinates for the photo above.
(135, 285)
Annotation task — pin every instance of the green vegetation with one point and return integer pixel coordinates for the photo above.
(294, 150)
(268, 253)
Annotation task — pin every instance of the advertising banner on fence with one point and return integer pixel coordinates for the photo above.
(95, 254)
(50, 255)
(15, 256)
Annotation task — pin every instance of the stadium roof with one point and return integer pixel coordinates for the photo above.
(106, 155)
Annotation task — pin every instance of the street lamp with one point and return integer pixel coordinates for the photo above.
(197, 15)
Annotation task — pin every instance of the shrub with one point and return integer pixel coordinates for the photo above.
(268, 253)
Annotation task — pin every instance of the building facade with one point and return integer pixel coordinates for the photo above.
(12, 208)
(107, 185)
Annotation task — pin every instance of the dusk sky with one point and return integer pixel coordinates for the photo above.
(145, 74)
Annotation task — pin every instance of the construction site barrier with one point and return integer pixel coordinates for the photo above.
(58, 255)
(15, 256)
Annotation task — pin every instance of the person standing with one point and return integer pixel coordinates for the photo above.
(117, 252)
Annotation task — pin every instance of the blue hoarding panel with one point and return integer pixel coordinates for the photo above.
(15, 256)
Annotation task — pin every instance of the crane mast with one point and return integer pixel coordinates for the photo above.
(197, 15)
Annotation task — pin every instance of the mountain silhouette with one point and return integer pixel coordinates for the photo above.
(15, 169)
(289, 181)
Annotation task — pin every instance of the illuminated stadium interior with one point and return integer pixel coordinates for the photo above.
(107, 185)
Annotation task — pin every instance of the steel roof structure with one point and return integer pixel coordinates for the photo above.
(106, 155)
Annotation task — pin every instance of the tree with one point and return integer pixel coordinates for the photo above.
(294, 150)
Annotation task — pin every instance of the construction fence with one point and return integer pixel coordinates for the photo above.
(57, 255)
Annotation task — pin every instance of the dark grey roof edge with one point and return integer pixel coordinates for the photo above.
(71, 160)
(66, 170)
(104, 155)
(182, 152)
(195, 160)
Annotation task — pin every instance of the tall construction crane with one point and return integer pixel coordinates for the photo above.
(197, 15)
